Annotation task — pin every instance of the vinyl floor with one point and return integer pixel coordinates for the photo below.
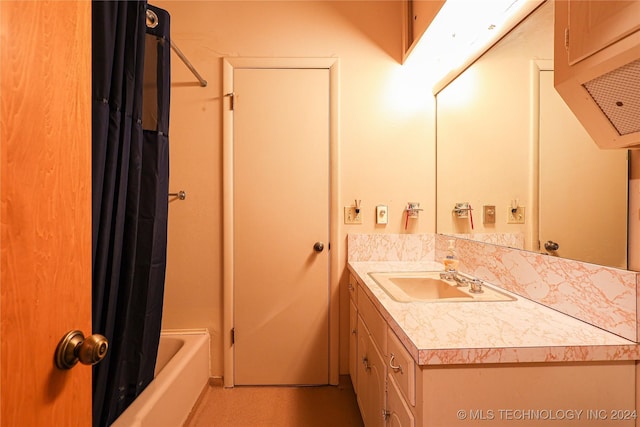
(261, 406)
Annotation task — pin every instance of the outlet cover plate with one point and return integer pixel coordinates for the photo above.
(382, 214)
(515, 216)
(488, 214)
(350, 215)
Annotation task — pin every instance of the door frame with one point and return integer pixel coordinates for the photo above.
(533, 230)
(228, 66)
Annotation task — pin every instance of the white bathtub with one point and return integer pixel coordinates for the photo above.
(182, 371)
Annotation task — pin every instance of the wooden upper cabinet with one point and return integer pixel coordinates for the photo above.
(417, 16)
(595, 25)
(597, 67)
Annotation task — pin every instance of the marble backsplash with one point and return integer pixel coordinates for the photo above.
(391, 247)
(602, 296)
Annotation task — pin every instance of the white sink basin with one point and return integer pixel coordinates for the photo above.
(428, 286)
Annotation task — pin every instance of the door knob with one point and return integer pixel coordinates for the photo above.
(551, 246)
(318, 247)
(74, 347)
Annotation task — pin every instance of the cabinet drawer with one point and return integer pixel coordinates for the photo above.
(373, 319)
(401, 367)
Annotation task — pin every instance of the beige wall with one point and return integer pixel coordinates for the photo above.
(387, 138)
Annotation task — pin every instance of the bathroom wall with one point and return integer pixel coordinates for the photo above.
(387, 138)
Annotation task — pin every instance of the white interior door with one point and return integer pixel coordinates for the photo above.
(583, 189)
(280, 211)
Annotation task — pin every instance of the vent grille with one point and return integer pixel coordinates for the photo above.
(617, 93)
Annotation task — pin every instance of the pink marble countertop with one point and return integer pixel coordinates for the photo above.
(439, 333)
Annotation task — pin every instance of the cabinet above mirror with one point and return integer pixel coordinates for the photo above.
(417, 16)
(597, 70)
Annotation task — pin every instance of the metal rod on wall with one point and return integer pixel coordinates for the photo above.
(202, 81)
(180, 194)
(152, 22)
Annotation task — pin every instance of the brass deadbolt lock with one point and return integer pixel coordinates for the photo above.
(74, 348)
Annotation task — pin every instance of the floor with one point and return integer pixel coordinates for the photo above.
(246, 406)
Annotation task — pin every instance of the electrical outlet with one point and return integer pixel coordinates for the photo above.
(350, 215)
(382, 214)
(515, 216)
(489, 214)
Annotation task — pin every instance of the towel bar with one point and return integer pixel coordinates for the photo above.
(180, 195)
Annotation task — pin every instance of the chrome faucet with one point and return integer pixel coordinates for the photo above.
(455, 276)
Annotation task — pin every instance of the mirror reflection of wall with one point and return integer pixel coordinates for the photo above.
(504, 137)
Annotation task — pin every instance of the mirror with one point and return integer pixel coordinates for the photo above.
(508, 146)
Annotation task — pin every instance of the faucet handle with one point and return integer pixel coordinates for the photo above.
(475, 286)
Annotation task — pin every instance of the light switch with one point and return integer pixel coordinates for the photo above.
(382, 214)
(489, 214)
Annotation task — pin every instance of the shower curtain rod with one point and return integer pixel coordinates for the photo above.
(152, 22)
(202, 81)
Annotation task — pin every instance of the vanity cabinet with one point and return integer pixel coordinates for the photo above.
(597, 55)
(384, 371)
(394, 390)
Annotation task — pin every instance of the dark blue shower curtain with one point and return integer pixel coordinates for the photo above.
(130, 161)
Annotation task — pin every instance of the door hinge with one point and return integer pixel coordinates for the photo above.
(233, 335)
(232, 97)
(566, 38)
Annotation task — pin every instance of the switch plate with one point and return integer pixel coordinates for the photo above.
(515, 216)
(382, 214)
(350, 215)
(488, 214)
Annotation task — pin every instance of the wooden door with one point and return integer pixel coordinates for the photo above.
(281, 210)
(45, 216)
(583, 189)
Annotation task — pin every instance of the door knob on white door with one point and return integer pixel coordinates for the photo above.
(318, 247)
(551, 246)
(74, 347)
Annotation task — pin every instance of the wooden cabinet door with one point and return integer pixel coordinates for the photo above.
(376, 390)
(594, 25)
(362, 373)
(45, 216)
(371, 376)
(353, 344)
(398, 412)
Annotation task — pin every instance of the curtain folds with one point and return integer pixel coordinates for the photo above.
(130, 161)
